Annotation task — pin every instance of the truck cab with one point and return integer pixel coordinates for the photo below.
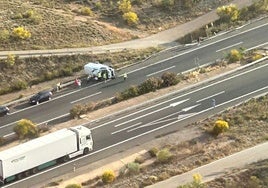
(85, 144)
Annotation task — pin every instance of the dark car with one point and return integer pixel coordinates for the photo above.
(4, 110)
(40, 97)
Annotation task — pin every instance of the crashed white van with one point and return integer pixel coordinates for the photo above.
(97, 71)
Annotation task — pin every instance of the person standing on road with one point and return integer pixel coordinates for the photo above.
(125, 76)
(213, 103)
(99, 75)
(77, 82)
(58, 86)
(105, 77)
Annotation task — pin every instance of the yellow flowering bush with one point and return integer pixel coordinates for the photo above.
(131, 18)
(108, 176)
(21, 33)
(235, 55)
(228, 13)
(220, 126)
(124, 6)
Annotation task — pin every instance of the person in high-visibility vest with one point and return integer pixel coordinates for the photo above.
(99, 75)
(105, 77)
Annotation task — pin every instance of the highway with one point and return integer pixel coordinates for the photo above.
(178, 60)
(162, 116)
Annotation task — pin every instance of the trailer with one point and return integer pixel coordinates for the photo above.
(32, 156)
(98, 71)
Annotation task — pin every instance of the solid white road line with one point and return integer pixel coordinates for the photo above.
(229, 46)
(210, 96)
(148, 75)
(85, 97)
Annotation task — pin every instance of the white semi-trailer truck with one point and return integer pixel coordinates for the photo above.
(32, 156)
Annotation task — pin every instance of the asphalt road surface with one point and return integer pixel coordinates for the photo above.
(178, 60)
(162, 116)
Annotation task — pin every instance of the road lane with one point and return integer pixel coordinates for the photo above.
(183, 61)
(195, 106)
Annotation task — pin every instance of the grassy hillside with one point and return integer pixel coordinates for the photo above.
(67, 23)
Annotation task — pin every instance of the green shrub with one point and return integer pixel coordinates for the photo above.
(4, 35)
(28, 14)
(67, 71)
(32, 16)
(220, 126)
(98, 5)
(151, 84)
(131, 18)
(133, 91)
(167, 4)
(169, 79)
(228, 13)
(19, 85)
(10, 61)
(77, 110)
(26, 129)
(153, 151)
(86, 11)
(73, 186)
(139, 160)
(21, 33)
(163, 155)
(124, 6)
(108, 176)
(133, 168)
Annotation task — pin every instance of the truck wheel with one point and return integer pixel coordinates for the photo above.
(27, 173)
(34, 170)
(86, 151)
(65, 158)
(19, 176)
